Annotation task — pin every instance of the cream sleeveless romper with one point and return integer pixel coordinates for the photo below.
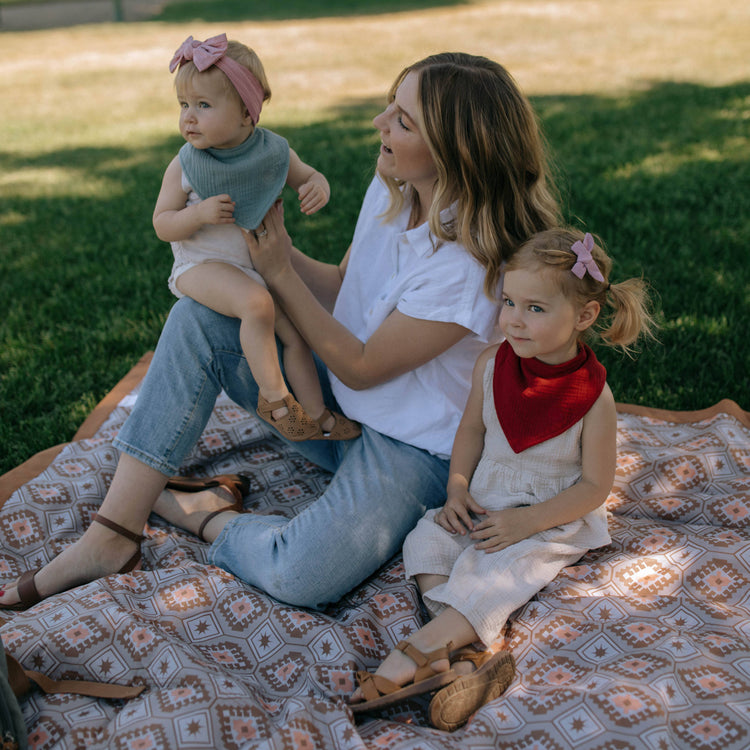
(212, 242)
(487, 587)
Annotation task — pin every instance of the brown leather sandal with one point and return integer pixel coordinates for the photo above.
(453, 705)
(22, 680)
(343, 428)
(380, 692)
(236, 484)
(27, 591)
(295, 425)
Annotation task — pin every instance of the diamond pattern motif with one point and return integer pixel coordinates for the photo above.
(642, 644)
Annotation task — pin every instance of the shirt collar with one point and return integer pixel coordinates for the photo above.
(420, 239)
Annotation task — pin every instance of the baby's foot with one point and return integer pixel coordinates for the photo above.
(335, 426)
(294, 423)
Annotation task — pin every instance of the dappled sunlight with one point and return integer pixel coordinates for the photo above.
(667, 162)
(56, 181)
(711, 326)
(645, 113)
(738, 109)
(11, 218)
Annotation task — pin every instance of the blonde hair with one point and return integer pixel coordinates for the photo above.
(627, 302)
(238, 52)
(489, 155)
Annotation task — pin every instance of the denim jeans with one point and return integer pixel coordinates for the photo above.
(380, 489)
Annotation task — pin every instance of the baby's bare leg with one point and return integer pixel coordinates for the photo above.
(299, 367)
(227, 290)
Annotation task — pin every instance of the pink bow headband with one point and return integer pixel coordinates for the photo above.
(585, 260)
(213, 52)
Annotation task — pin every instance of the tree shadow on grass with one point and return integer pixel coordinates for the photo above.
(661, 175)
(213, 11)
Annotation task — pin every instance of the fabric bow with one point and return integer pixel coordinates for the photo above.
(214, 52)
(585, 260)
(203, 54)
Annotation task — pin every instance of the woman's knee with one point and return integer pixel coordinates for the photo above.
(300, 590)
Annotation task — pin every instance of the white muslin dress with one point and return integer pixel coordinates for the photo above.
(487, 587)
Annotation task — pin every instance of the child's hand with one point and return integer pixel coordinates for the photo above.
(455, 515)
(502, 528)
(312, 197)
(218, 209)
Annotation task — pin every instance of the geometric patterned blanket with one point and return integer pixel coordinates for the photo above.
(642, 644)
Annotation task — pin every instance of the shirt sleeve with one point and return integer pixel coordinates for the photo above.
(450, 288)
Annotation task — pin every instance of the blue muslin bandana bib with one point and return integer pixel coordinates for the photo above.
(252, 174)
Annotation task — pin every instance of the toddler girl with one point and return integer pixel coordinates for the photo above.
(533, 462)
(225, 178)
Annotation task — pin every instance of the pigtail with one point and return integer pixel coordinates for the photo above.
(630, 318)
(583, 272)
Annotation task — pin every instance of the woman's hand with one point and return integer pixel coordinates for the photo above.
(270, 245)
(303, 288)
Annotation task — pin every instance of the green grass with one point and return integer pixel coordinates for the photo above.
(663, 176)
(661, 173)
(266, 10)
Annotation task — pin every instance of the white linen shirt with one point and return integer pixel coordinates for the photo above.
(392, 268)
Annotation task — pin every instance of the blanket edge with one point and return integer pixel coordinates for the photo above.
(31, 468)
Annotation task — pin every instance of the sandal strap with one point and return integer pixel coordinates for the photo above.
(374, 686)
(343, 427)
(236, 484)
(265, 407)
(296, 425)
(26, 588)
(477, 658)
(121, 530)
(422, 660)
(21, 679)
(209, 518)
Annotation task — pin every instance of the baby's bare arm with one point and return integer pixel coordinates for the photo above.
(311, 186)
(174, 221)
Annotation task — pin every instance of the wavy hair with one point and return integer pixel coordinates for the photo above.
(490, 159)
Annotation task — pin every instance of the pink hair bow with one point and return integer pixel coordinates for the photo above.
(213, 52)
(585, 259)
(203, 54)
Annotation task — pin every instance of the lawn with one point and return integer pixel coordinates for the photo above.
(645, 105)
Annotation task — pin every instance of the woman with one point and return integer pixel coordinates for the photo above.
(397, 325)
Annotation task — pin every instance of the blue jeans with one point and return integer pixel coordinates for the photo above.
(380, 489)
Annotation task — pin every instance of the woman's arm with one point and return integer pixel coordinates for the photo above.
(399, 345)
(322, 279)
(599, 453)
(174, 221)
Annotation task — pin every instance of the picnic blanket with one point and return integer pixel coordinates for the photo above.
(644, 643)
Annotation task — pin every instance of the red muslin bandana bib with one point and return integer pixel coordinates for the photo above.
(536, 401)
